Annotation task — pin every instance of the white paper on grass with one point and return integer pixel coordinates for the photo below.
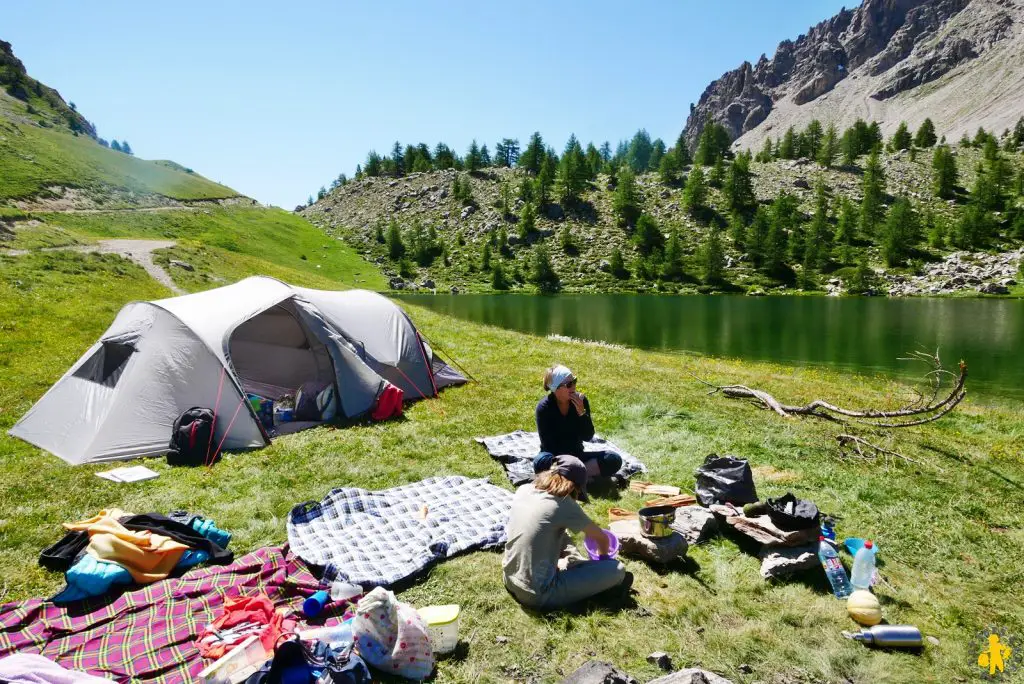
(129, 474)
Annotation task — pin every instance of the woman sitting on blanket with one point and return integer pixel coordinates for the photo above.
(564, 423)
(540, 567)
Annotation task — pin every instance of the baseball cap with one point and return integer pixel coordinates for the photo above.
(572, 469)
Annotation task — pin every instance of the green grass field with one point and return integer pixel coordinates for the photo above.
(949, 527)
(33, 159)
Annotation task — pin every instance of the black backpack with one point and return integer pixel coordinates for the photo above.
(191, 438)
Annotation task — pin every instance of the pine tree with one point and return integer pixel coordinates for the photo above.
(807, 280)
(444, 158)
(594, 161)
(672, 266)
(648, 236)
(980, 138)
(657, 154)
(829, 147)
(846, 227)
(682, 151)
(542, 272)
(505, 201)
(925, 136)
(116, 146)
(757, 237)
(944, 173)
(374, 165)
(503, 246)
(572, 174)
(784, 217)
(873, 138)
(812, 139)
(606, 152)
(473, 162)
(126, 148)
(485, 257)
(696, 191)
(626, 200)
(819, 234)
(850, 147)
(863, 279)
(739, 186)
(640, 149)
(714, 143)
(787, 149)
(527, 221)
(668, 170)
(533, 156)
(898, 232)
(1018, 133)
(545, 179)
(566, 241)
(498, 279)
(936, 232)
(872, 209)
(717, 176)
(617, 265)
(901, 139)
(396, 248)
(485, 156)
(737, 231)
(712, 257)
(378, 232)
(767, 153)
(526, 190)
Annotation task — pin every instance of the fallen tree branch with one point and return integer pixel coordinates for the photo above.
(859, 444)
(920, 412)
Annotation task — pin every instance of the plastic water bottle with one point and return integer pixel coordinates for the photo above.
(863, 566)
(342, 591)
(834, 569)
(334, 636)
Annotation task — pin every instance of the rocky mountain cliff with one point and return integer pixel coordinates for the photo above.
(41, 99)
(960, 62)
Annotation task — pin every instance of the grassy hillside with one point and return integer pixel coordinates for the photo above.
(948, 533)
(356, 210)
(33, 159)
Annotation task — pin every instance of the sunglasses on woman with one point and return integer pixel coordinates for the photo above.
(570, 384)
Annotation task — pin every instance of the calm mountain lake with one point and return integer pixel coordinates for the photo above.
(863, 334)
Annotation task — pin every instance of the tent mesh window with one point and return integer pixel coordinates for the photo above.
(105, 366)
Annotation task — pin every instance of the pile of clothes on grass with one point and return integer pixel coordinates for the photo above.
(115, 547)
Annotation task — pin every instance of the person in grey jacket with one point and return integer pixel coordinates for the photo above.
(542, 513)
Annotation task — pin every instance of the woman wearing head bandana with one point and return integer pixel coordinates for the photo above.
(564, 423)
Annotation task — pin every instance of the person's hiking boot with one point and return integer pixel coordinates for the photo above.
(627, 584)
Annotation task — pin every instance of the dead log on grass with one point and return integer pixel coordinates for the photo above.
(919, 412)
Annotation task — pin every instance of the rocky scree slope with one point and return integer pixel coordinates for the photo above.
(959, 62)
(353, 212)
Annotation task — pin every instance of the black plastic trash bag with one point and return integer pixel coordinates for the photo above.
(790, 513)
(725, 479)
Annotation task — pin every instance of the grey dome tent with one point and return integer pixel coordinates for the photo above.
(259, 335)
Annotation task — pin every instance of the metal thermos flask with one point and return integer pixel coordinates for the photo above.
(904, 636)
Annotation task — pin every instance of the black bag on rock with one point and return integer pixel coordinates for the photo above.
(191, 438)
(725, 479)
(790, 513)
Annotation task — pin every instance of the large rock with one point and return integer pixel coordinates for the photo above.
(597, 672)
(633, 544)
(696, 523)
(691, 675)
(781, 561)
(882, 48)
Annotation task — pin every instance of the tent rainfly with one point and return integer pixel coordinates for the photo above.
(260, 335)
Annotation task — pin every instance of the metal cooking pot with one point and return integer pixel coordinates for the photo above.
(656, 521)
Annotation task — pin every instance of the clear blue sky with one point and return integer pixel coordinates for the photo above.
(276, 99)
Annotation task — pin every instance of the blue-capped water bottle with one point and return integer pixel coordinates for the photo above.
(834, 569)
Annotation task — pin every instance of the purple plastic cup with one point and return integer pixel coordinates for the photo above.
(613, 546)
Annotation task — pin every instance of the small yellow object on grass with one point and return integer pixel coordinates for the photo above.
(864, 608)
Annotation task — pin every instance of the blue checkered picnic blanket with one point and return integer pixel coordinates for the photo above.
(378, 538)
(516, 450)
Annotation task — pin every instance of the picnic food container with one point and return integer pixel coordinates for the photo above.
(443, 625)
(656, 521)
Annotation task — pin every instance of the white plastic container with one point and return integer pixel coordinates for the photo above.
(863, 567)
(443, 624)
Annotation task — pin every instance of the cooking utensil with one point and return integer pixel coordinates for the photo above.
(656, 521)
